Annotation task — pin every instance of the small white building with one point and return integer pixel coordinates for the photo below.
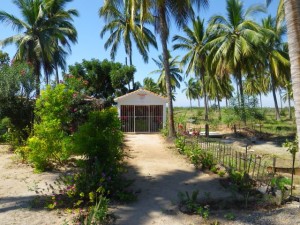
(142, 111)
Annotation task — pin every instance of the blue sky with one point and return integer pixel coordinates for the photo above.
(90, 45)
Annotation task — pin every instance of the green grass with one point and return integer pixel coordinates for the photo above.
(283, 128)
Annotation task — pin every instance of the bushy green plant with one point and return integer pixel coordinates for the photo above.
(99, 140)
(207, 160)
(50, 140)
(280, 183)
(180, 143)
(189, 204)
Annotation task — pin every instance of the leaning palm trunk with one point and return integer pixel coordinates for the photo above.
(164, 38)
(292, 11)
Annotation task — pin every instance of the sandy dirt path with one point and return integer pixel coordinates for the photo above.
(160, 173)
(17, 185)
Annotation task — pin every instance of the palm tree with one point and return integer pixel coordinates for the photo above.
(55, 10)
(292, 16)
(163, 11)
(175, 73)
(257, 83)
(117, 15)
(191, 90)
(38, 43)
(150, 85)
(235, 40)
(194, 42)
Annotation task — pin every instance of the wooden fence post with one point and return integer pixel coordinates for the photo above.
(259, 164)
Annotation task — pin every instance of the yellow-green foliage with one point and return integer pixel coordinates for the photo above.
(49, 141)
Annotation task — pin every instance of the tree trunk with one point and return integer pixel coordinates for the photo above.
(277, 114)
(56, 74)
(205, 97)
(290, 110)
(37, 80)
(242, 100)
(130, 63)
(292, 14)
(198, 102)
(219, 108)
(260, 100)
(164, 38)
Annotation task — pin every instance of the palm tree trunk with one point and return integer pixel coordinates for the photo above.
(130, 63)
(219, 108)
(242, 100)
(164, 38)
(260, 100)
(37, 79)
(292, 14)
(289, 102)
(198, 102)
(205, 97)
(56, 74)
(277, 114)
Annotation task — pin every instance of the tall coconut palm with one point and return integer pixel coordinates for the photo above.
(163, 11)
(236, 38)
(191, 90)
(276, 59)
(37, 44)
(257, 83)
(118, 15)
(151, 85)
(175, 73)
(194, 43)
(55, 10)
(33, 43)
(292, 16)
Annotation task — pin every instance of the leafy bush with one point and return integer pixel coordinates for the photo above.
(180, 143)
(99, 140)
(207, 160)
(50, 140)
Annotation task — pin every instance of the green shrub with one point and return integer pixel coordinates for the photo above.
(180, 143)
(50, 140)
(207, 160)
(99, 140)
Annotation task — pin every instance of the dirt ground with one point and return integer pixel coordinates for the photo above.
(160, 173)
(17, 192)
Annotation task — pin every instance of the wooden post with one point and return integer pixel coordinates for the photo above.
(249, 164)
(236, 159)
(240, 161)
(254, 166)
(274, 164)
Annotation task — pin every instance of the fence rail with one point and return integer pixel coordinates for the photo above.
(258, 168)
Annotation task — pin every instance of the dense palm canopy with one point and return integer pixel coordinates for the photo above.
(46, 29)
(194, 42)
(175, 73)
(275, 58)
(118, 17)
(164, 11)
(191, 89)
(235, 42)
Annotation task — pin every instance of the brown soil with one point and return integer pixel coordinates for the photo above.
(17, 193)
